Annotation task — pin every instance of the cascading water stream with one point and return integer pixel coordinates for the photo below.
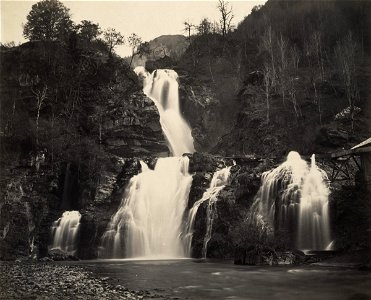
(218, 182)
(149, 222)
(162, 87)
(294, 198)
(314, 223)
(65, 232)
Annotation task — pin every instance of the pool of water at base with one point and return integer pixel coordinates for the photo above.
(200, 279)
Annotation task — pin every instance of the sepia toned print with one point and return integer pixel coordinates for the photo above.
(185, 150)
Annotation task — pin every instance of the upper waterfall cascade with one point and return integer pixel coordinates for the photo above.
(163, 88)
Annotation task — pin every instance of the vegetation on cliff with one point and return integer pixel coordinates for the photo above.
(293, 75)
(69, 108)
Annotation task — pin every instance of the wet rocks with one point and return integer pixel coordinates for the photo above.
(233, 201)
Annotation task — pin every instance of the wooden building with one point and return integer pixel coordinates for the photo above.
(364, 151)
(359, 153)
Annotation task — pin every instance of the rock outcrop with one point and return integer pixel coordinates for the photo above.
(201, 108)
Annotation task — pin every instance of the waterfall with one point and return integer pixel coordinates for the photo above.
(314, 228)
(65, 232)
(149, 222)
(218, 182)
(163, 88)
(294, 197)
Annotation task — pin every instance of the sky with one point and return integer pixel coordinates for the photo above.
(148, 19)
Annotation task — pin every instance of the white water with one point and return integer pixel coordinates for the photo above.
(65, 232)
(218, 182)
(149, 222)
(163, 88)
(314, 223)
(294, 197)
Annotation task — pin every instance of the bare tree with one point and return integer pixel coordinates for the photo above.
(293, 79)
(315, 55)
(268, 44)
(346, 55)
(316, 42)
(267, 73)
(134, 41)
(40, 96)
(283, 65)
(188, 28)
(226, 16)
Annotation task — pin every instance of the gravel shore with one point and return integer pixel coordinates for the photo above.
(47, 280)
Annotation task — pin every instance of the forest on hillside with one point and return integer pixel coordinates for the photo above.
(292, 75)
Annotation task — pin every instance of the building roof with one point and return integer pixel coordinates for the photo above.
(363, 144)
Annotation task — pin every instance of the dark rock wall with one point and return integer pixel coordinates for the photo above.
(131, 128)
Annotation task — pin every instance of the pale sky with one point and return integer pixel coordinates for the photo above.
(148, 19)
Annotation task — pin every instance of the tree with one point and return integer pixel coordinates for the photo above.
(293, 79)
(283, 63)
(113, 38)
(267, 73)
(268, 44)
(41, 96)
(88, 31)
(144, 49)
(187, 28)
(346, 52)
(47, 20)
(134, 41)
(226, 16)
(204, 27)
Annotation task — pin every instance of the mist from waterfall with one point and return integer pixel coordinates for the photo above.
(65, 231)
(294, 198)
(218, 182)
(149, 222)
(163, 88)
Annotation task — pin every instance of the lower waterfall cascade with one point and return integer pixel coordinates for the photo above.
(65, 232)
(218, 182)
(294, 197)
(149, 221)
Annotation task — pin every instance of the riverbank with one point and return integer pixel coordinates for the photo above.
(48, 280)
(180, 279)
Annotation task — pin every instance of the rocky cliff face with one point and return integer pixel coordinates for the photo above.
(233, 201)
(201, 108)
(131, 127)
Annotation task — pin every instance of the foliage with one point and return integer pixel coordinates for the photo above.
(253, 234)
(48, 20)
(134, 42)
(285, 72)
(113, 38)
(88, 30)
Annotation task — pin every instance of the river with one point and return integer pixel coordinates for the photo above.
(197, 279)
